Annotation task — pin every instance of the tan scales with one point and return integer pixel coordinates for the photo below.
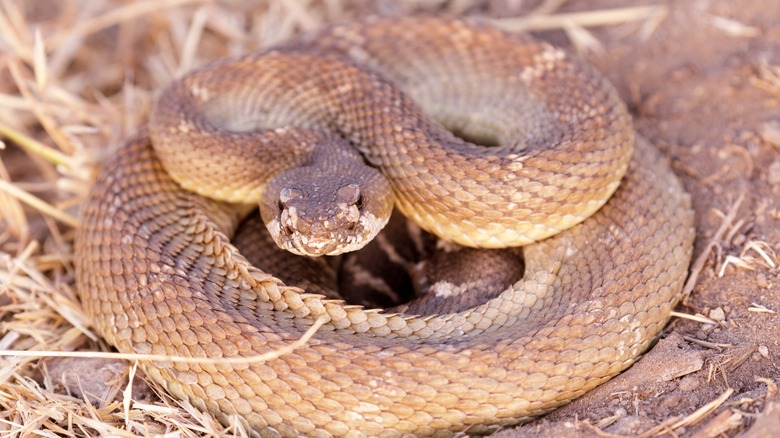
(157, 273)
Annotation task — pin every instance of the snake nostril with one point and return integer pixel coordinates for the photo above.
(287, 230)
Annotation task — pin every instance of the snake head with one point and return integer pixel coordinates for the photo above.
(323, 215)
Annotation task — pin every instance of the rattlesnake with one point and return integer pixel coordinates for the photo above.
(157, 273)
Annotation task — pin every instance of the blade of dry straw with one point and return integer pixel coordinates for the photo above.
(31, 145)
(38, 203)
(319, 322)
(604, 17)
(130, 11)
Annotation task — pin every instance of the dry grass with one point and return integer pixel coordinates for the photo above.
(76, 77)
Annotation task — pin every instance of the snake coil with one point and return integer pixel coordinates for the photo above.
(158, 274)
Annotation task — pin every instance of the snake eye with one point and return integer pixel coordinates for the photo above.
(359, 202)
(286, 195)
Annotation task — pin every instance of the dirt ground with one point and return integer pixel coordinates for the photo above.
(703, 88)
(702, 79)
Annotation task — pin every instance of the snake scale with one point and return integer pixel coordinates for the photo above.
(157, 273)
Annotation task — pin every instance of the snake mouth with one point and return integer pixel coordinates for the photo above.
(304, 247)
(315, 238)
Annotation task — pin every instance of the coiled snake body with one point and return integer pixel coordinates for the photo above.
(158, 274)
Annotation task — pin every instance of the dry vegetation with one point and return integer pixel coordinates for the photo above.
(76, 77)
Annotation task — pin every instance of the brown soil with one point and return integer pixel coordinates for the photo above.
(700, 89)
(702, 79)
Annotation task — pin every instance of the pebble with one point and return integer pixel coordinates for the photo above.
(717, 314)
(770, 133)
(761, 280)
(673, 401)
(688, 383)
(774, 172)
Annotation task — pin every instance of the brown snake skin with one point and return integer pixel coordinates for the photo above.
(157, 273)
(565, 136)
